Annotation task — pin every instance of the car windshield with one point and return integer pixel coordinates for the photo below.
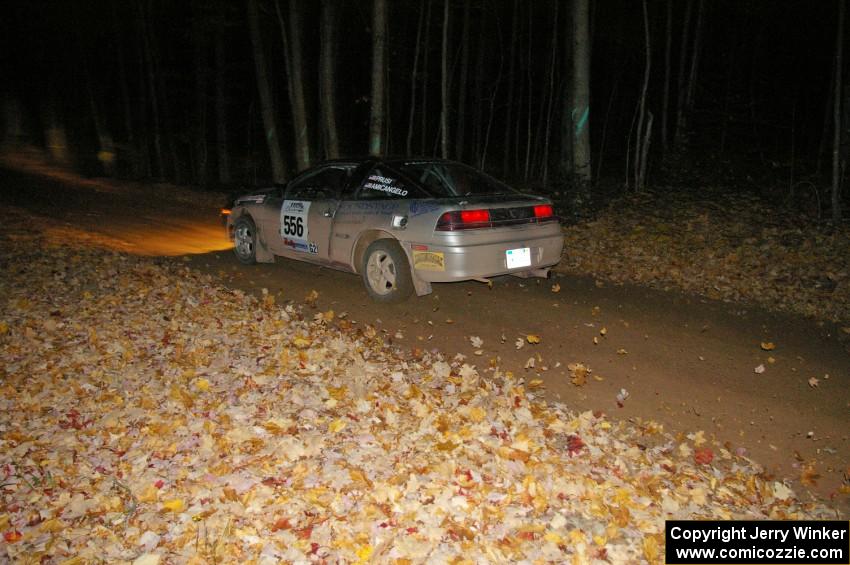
(443, 179)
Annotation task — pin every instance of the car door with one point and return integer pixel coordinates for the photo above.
(378, 198)
(307, 212)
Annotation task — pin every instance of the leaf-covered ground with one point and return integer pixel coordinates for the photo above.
(725, 246)
(148, 415)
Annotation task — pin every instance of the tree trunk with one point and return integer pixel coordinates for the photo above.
(328, 85)
(682, 74)
(580, 110)
(295, 80)
(478, 109)
(511, 80)
(695, 56)
(643, 134)
(692, 74)
(550, 105)
(530, 86)
(423, 128)
(129, 134)
(221, 100)
(668, 47)
(152, 91)
(200, 152)
(836, 115)
(376, 120)
(464, 75)
(265, 91)
(444, 81)
(413, 77)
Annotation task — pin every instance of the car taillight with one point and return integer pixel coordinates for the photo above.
(464, 220)
(543, 211)
(474, 216)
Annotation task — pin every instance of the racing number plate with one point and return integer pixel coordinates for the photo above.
(518, 257)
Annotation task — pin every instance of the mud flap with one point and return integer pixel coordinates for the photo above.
(421, 287)
(262, 253)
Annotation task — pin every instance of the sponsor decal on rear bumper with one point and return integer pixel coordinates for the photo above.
(429, 261)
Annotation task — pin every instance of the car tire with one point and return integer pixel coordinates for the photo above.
(386, 272)
(245, 240)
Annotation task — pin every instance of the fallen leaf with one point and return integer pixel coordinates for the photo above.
(703, 455)
(556, 287)
(532, 338)
(814, 382)
(768, 345)
(174, 505)
(476, 341)
(578, 374)
(759, 370)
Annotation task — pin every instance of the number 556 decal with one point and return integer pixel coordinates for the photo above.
(293, 225)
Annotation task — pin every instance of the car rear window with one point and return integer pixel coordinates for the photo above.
(383, 183)
(442, 179)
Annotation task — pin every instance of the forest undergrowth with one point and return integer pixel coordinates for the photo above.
(719, 244)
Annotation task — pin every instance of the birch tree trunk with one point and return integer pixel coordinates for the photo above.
(376, 120)
(264, 89)
(327, 84)
(643, 133)
(580, 110)
(665, 104)
(295, 80)
(835, 199)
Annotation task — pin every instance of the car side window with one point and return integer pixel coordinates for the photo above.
(383, 183)
(321, 184)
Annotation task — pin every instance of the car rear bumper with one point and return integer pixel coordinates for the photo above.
(482, 260)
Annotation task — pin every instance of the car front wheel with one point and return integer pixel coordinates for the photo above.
(386, 272)
(245, 240)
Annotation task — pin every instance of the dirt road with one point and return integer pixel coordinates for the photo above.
(686, 362)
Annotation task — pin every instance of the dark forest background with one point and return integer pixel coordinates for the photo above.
(741, 93)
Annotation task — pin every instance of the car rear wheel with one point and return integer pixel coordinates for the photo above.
(245, 240)
(386, 272)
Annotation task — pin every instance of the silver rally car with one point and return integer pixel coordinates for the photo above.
(401, 224)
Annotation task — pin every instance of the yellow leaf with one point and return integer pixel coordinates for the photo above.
(174, 505)
(364, 552)
(150, 494)
(768, 345)
(650, 549)
(556, 287)
(4, 328)
(336, 426)
(477, 414)
(202, 385)
(52, 525)
(532, 338)
(301, 342)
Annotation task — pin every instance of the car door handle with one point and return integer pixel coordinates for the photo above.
(328, 213)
